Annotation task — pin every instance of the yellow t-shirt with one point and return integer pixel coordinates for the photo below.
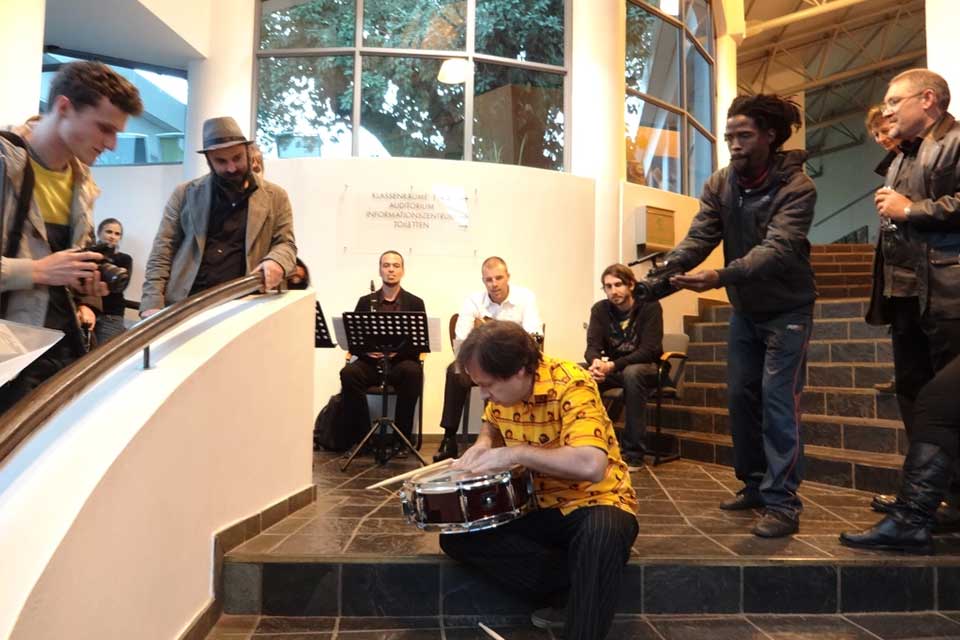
(53, 193)
(566, 410)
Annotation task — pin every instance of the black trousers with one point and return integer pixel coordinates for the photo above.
(937, 410)
(456, 387)
(406, 376)
(548, 557)
(922, 347)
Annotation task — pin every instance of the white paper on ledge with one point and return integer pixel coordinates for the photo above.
(21, 344)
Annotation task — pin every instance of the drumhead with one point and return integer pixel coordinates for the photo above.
(446, 480)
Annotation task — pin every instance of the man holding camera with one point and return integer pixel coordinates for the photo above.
(45, 279)
(624, 341)
(760, 207)
(222, 226)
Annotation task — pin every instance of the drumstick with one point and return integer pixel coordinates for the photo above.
(403, 476)
(490, 632)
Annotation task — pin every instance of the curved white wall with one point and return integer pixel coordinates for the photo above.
(107, 516)
(540, 222)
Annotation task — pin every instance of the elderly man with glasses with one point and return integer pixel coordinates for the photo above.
(922, 299)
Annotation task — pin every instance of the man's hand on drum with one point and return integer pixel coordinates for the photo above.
(485, 459)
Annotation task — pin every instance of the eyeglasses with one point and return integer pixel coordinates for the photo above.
(892, 104)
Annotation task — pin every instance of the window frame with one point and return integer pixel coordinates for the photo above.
(683, 110)
(126, 63)
(358, 50)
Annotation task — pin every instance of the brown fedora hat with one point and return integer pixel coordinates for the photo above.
(221, 132)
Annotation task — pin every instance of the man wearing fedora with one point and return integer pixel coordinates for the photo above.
(219, 227)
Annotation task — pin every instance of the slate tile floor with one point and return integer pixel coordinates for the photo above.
(899, 626)
(678, 519)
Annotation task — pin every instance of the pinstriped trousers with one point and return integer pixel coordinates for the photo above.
(548, 557)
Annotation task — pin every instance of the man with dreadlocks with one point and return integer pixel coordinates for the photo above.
(221, 226)
(760, 206)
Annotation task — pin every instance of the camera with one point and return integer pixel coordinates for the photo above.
(116, 278)
(656, 284)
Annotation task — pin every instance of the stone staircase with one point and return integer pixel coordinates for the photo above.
(843, 270)
(853, 435)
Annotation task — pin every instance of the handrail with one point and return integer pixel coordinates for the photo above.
(27, 415)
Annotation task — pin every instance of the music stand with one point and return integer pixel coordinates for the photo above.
(385, 332)
(321, 334)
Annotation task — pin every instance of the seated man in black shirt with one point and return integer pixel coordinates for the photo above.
(624, 342)
(406, 374)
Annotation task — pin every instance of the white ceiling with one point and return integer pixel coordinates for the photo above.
(117, 28)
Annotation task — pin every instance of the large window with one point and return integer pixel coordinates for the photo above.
(156, 135)
(670, 94)
(479, 80)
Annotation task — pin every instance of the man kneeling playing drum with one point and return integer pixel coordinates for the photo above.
(546, 415)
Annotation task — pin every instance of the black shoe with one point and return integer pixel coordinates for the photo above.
(448, 448)
(742, 501)
(634, 463)
(886, 387)
(891, 534)
(776, 524)
(926, 474)
(885, 502)
(548, 618)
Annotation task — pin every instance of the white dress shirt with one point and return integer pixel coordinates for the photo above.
(520, 307)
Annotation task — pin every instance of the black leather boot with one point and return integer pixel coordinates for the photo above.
(884, 502)
(926, 472)
(448, 448)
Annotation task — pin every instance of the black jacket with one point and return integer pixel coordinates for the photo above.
(642, 341)
(933, 225)
(406, 301)
(764, 235)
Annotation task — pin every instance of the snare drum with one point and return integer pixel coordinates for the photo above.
(452, 501)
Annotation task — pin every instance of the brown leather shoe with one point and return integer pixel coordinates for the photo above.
(776, 524)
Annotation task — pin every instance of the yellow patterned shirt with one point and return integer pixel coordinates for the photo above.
(565, 410)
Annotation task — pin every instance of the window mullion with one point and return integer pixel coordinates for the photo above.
(357, 80)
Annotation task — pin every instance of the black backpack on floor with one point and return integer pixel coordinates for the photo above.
(329, 432)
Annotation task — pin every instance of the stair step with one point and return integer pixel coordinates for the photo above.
(821, 351)
(839, 309)
(843, 267)
(841, 279)
(350, 556)
(847, 433)
(833, 292)
(825, 258)
(823, 329)
(873, 472)
(836, 401)
(852, 247)
(819, 374)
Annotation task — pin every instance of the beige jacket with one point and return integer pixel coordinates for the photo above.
(178, 247)
(28, 301)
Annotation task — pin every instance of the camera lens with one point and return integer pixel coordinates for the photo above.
(114, 277)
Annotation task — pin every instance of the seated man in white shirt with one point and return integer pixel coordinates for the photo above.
(499, 301)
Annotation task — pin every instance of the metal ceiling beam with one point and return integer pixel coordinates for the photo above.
(819, 153)
(834, 120)
(857, 71)
(747, 53)
(799, 16)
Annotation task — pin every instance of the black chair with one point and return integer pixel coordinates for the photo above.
(384, 390)
(670, 369)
